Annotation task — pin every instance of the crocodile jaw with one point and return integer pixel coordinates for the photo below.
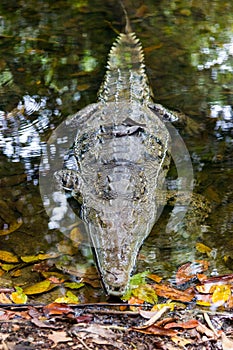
(116, 237)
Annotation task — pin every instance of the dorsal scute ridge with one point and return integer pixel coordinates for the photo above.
(125, 78)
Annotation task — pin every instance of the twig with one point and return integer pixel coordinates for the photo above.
(82, 342)
(209, 323)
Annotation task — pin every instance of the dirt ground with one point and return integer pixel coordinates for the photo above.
(100, 327)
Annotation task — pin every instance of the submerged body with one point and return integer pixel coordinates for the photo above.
(119, 163)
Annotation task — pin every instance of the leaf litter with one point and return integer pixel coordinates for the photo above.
(153, 314)
(194, 312)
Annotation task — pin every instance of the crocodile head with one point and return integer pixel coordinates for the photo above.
(117, 232)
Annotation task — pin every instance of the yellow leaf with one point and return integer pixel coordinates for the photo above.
(19, 297)
(32, 258)
(73, 285)
(13, 227)
(202, 248)
(203, 303)
(221, 294)
(172, 305)
(8, 257)
(70, 298)
(39, 287)
(146, 293)
(29, 258)
(7, 267)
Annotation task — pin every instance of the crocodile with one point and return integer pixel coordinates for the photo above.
(117, 166)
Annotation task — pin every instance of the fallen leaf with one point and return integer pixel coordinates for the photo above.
(221, 294)
(202, 248)
(230, 302)
(227, 343)
(69, 298)
(182, 342)
(185, 325)
(222, 279)
(156, 331)
(6, 315)
(16, 273)
(74, 285)
(34, 258)
(189, 270)
(51, 274)
(172, 305)
(57, 309)
(154, 277)
(39, 287)
(168, 292)
(146, 293)
(59, 337)
(18, 297)
(8, 257)
(8, 267)
(42, 324)
(201, 328)
(4, 299)
(13, 227)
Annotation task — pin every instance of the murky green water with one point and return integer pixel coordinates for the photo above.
(53, 57)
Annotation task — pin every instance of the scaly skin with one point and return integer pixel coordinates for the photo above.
(119, 164)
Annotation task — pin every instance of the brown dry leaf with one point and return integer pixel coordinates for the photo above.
(227, 343)
(42, 324)
(154, 277)
(190, 270)
(230, 302)
(57, 309)
(185, 325)
(93, 329)
(184, 274)
(156, 331)
(201, 328)
(166, 291)
(59, 337)
(8, 257)
(97, 334)
(6, 315)
(220, 279)
(201, 277)
(4, 299)
(181, 341)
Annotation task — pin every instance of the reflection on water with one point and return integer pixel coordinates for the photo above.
(53, 58)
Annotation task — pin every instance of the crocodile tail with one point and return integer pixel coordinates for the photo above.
(125, 78)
